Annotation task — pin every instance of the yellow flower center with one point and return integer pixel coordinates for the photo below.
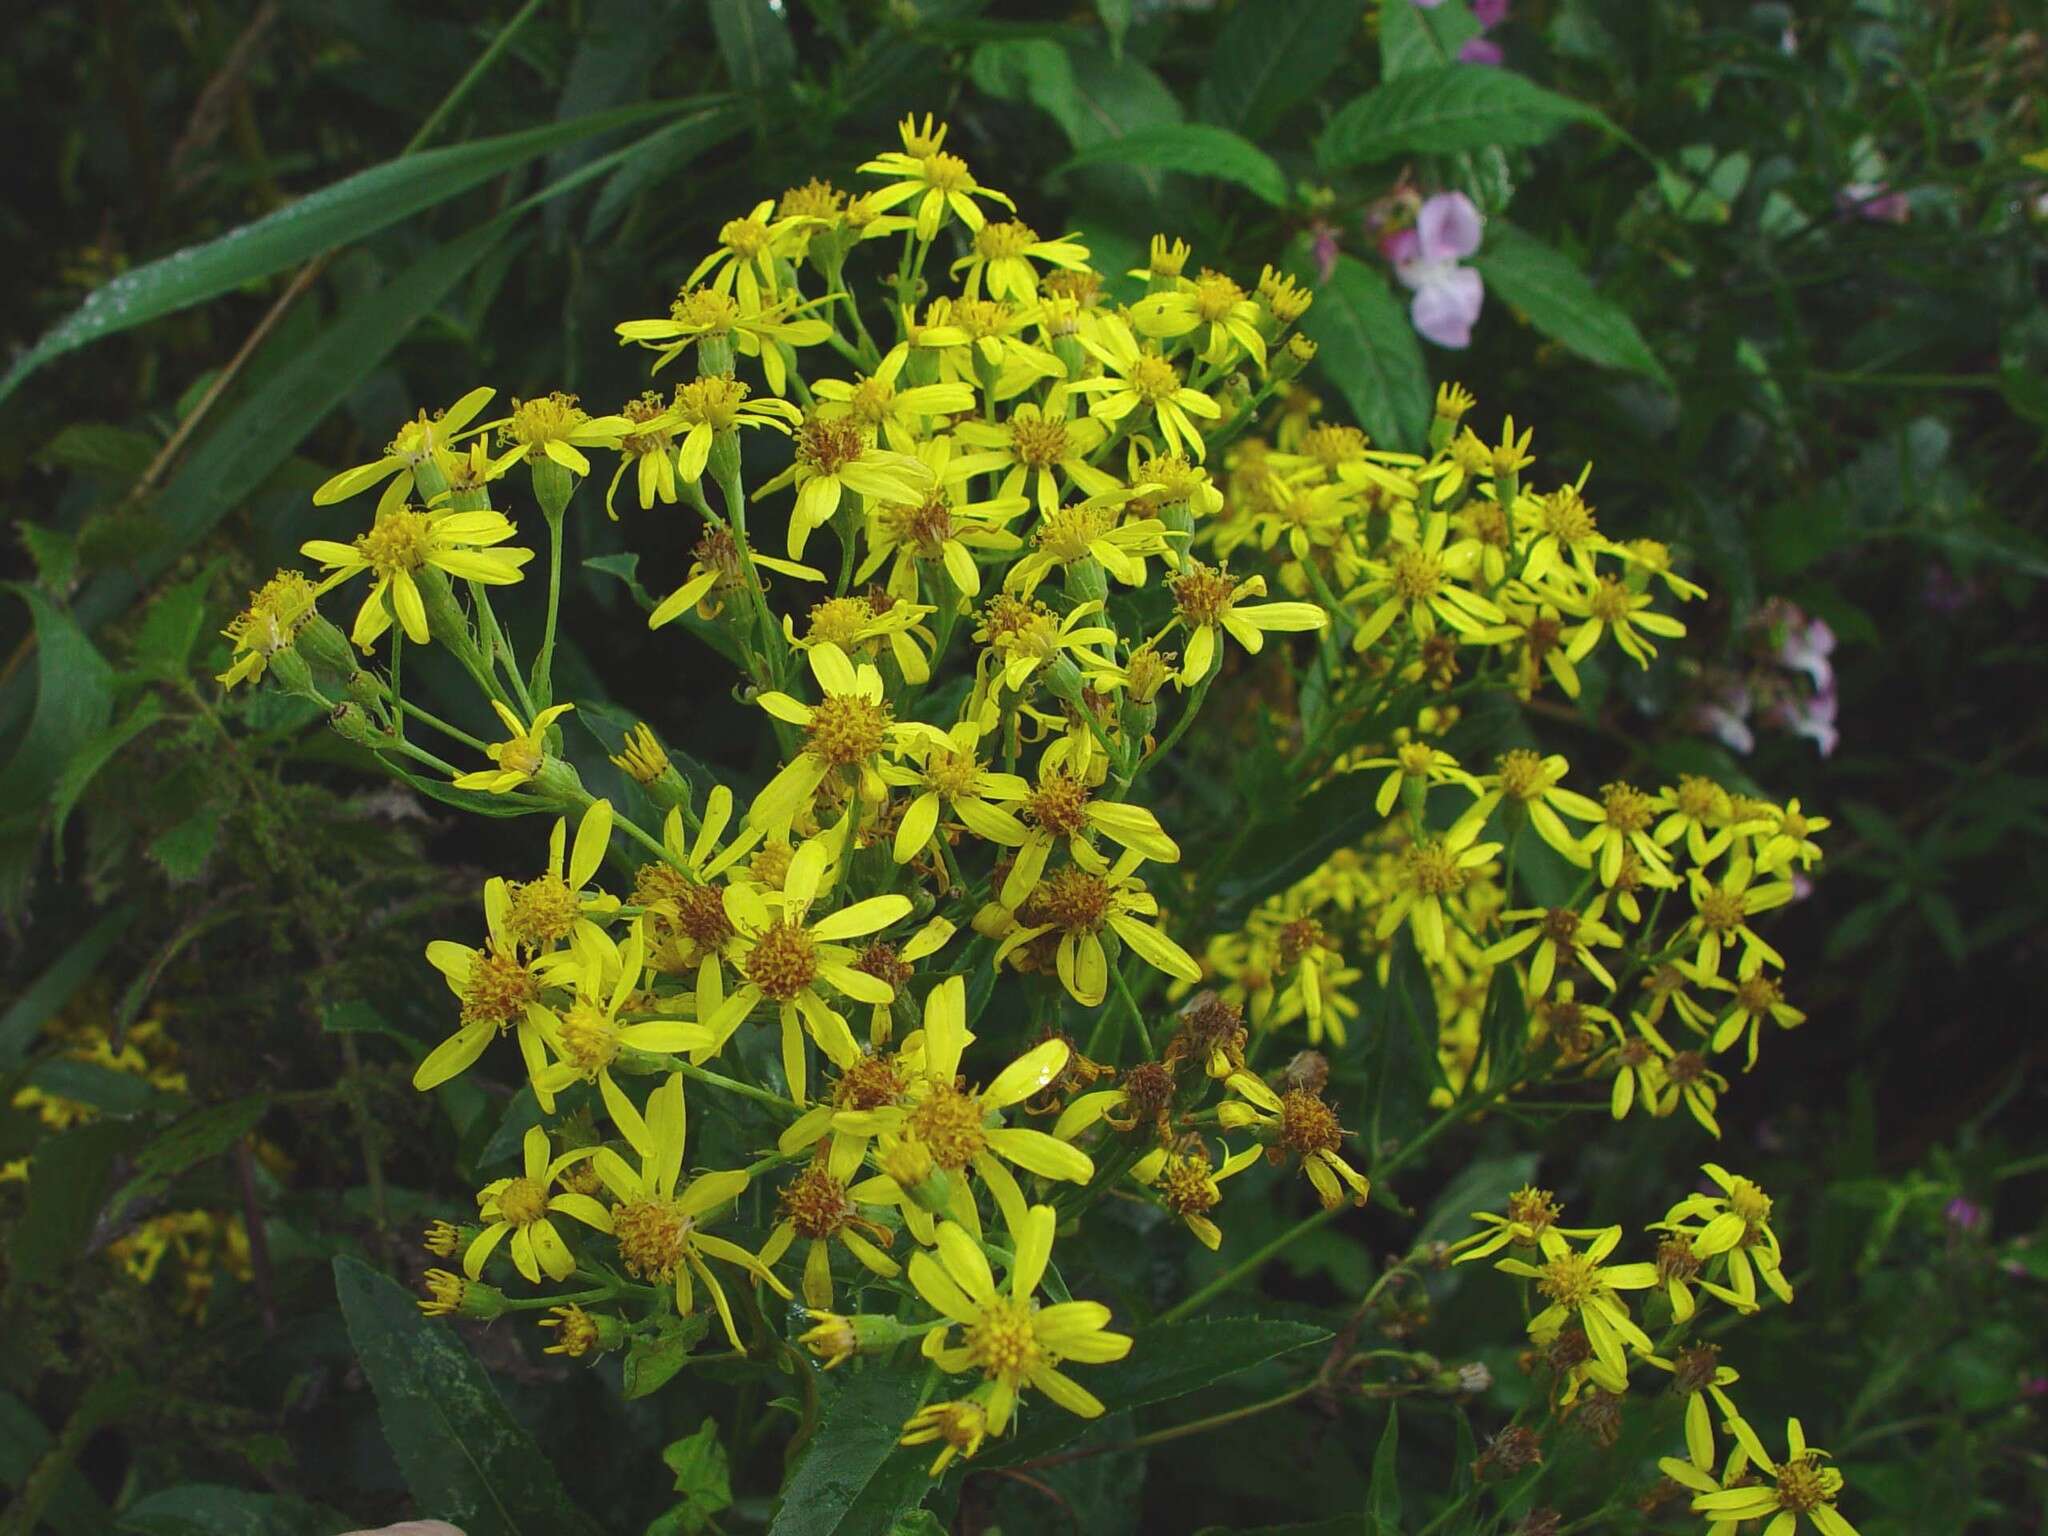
(523, 1202)
(542, 911)
(1307, 1125)
(649, 406)
(771, 863)
(520, 755)
(1072, 900)
(589, 1040)
(847, 728)
(1416, 758)
(546, 420)
(1700, 799)
(1331, 446)
(783, 961)
(1627, 808)
(707, 311)
(1153, 377)
(578, 1334)
(1431, 869)
(1609, 601)
(1202, 595)
(1677, 1261)
(677, 901)
(1006, 239)
(816, 1204)
(652, 1237)
(868, 1083)
(1013, 626)
(826, 447)
(277, 611)
(1570, 1279)
(498, 989)
(840, 620)
(1566, 516)
(1522, 777)
(745, 238)
(925, 527)
(1038, 441)
(1561, 927)
(399, 541)
(713, 401)
(1177, 479)
(949, 1123)
(870, 401)
(1215, 296)
(952, 773)
(981, 318)
(1060, 805)
(815, 199)
(1533, 1210)
(1418, 575)
(947, 173)
(1751, 1204)
(1758, 994)
(1002, 1341)
(1068, 532)
(1804, 1483)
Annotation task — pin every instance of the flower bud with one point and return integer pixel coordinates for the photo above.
(351, 724)
(451, 1293)
(327, 647)
(1062, 680)
(909, 1163)
(1087, 581)
(714, 356)
(1290, 360)
(293, 675)
(835, 1337)
(723, 462)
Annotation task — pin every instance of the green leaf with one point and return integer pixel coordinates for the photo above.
(1116, 21)
(182, 851)
(91, 758)
(653, 1359)
(1441, 110)
(1197, 149)
(99, 448)
(87, 1082)
(1166, 1361)
(1386, 1476)
(854, 1479)
(1366, 348)
(462, 1455)
(660, 154)
(205, 1509)
(200, 1135)
(1095, 99)
(754, 41)
(1561, 302)
(1414, 37)
(27, 1014)
(71, 1507)
(74, 701)
(338, 215)
(67, 1183)
(1269, 58)
(163, 643)
(701, 1478)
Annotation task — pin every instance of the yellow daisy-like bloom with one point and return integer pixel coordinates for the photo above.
(1755, 999)
(277, 611)
(953, 1128)
(1579, 1284)
(1039, 444)
(1698, 1376)
(700, 314)
(1079, 904)
(784, 956)
(1626, 818)
(559, 429)
(1801, 1484)
(1061, 806)
(1007, 1336)
(717, 403)
(1299, 1124)
(1530, 1212)
(1736, 1222)
(1562, 936)
(963, 1426)
(1189, 1185)
(898, 416)
(557, 906)
(1207, 599)
(687, 922)
(1001, 256)
(1701, 814)
(834, 458)
(649, 451)
(845, 730)
(718, 568)
(1787, 839)
(1417, 766)
(587, 1037)
(1431, 870)
(747, 252)
(945, 770)
(659, 1229)
(1139, 379)
(1023, 636)
(497, 989)
(424, 439)
(861, 626)
(940, 183)
(1607, 605)
(1091, 530)
(1421, 581)
(519, 757)
(521, 1207)
(1564, 538)
(1721, 913)
(943, 529)
(405, 540)
(816, 1206)
(1213, 304)
(1672, 1077)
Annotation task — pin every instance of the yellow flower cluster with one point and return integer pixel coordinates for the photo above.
(1054, 520)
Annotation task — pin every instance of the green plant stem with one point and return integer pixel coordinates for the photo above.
(1248, 1265)
(544, 663)
(469, 82)
(1178, 1431)
(774, 1101)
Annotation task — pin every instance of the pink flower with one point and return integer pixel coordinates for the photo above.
(1806, 648)
(1489, 13)
(1323, 245)
(1725, 716)
(1447, 296)
(1812, 717)
(1481, 50)
(1875, 201)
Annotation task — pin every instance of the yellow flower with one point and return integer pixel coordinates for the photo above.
(832, 459)
(587, 1037)
(1009, 1338)
(1078, 904)
(1533, 786)
(519, 758)
(1421, 581)
(649, 451)
(900, 417)
(417, 442)
(785, 956)
(816, 1206)
(846, 729)
(1213, 304)
(660, 1231)
(1419, 764)
(701, 314)
(942, 529)
(747, 252)
(945, 770)
(1023, 636)
(717, 403)
(1563, 935)
(1067, 536)
(558, 429)
(1039, 444)
(1756, 997)
(1001, 256)
(962, 1425)
(1432, 869)
(1800, 1485)
(1141, 380)
(1206, 599)
(1579, 1284)
(1736, 1222)
(1188, 1185)
(1530, 1213)
(1624, 825)
(1297, 1122)
(1061, 806)
(719, 567)
(1608, 605)
(1698, 1376)
(521, 1207)
(277, 611)
(1721, 913)
(1789, 841)
(940, 183)
(405, 540)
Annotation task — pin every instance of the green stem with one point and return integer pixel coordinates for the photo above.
(774, 1101)
(544, 663)
(455, 98)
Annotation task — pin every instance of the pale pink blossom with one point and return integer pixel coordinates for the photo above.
(1448, 296)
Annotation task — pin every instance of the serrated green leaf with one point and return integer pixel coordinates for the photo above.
(170, 627)
(854, 1480)
(652, 1360)
(698, 1462)
(1269, 58)
(1366, 348)
(463, 1456)
(1166, 1361)
(1196, 149)
(1445, 109)
(203, 1134)
(74, 701)
(1386, 1476)
(1561, 301)
(71, 1508)
(182, 850)
(90, 759)
(1414, 37)
(337, 215)
(97, 447)
(206, 1509)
